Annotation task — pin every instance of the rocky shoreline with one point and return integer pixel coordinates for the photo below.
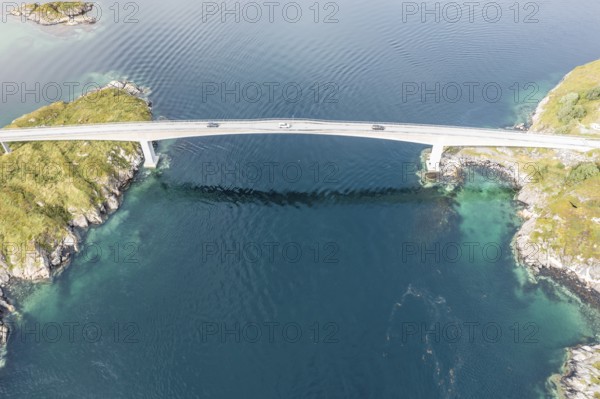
(580, 275)
(540, 254)
(56, 13)
(42, 264)
(581, 372)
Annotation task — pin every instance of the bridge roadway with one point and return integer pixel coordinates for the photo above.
(436, 136)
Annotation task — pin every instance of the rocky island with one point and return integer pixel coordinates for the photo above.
(52, 191)
(560, 195)
(56, 13)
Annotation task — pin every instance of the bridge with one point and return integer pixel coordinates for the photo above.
(436, 136)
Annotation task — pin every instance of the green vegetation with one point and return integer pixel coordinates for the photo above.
(567, 221)
(574, 105)
(64, 6)
(108, 105)
(582, 172)
(593, 94)
(57, 9)
(43, 185)
(567, 197)
(569, 109)
(56, 12)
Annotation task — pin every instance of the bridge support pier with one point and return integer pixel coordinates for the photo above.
(150, 157)
(433, 163)
(6, 148)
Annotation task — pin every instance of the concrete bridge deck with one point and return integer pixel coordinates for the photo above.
(436, 136)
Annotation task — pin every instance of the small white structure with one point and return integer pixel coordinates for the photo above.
(433, 163)
(150, 157)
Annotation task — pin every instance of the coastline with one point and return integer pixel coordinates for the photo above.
(573, 275)
(558, 237)
(541, 261)
(41, 263)
(580, 375)
(55, 13)
(557, 188)
(51, 264)
(578, 378)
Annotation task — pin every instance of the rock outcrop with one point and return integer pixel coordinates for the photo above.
(581, 377)
(37, 263)
(131, 88)
(539, 258)
(56, 13)
(40, 262)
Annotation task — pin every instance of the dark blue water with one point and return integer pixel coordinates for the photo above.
(300, 266)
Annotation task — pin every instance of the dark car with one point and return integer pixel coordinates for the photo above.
(378, 127)
(212, 124)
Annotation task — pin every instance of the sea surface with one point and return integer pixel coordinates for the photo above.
(296, 266)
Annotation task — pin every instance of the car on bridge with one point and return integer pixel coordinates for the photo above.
(284, 126)
(378, 127)
(212, 124)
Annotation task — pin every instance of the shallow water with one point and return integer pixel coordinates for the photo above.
(200, 285)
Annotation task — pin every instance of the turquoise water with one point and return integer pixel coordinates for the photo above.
(298, 266)
(358, 293)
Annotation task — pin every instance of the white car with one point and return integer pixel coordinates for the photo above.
(284, 126)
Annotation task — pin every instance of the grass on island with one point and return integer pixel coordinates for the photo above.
(54, 12)
(44, 184)
(570, 223)
(574, 105)
(64, 6)
(56, 9)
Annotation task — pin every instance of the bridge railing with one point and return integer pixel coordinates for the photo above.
(328, 121)
(444, 132)
(273, 120)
